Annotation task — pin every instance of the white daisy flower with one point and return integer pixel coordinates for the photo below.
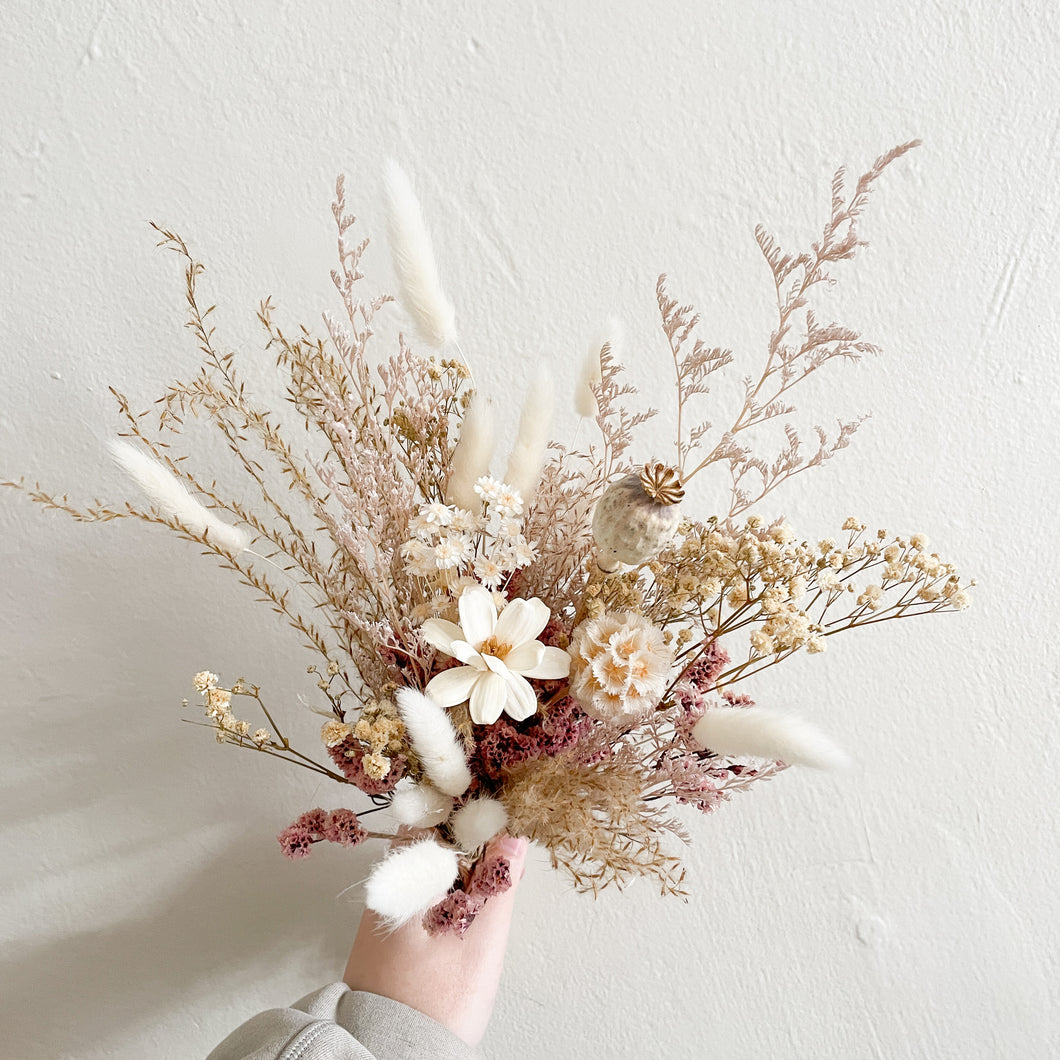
(498, 652)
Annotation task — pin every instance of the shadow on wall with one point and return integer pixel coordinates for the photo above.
(97, 987)
(140, 884)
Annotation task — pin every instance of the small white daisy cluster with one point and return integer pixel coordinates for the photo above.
(448, 542)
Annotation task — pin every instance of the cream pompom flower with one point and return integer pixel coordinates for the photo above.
(499, 653)
(621, 666)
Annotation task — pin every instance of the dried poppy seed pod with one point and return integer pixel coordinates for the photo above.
(636, 516)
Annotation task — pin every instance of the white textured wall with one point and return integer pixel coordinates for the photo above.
(566, 153)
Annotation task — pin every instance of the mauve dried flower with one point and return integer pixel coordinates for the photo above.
(342, 826)
(491, 876)
(296, 842)
(453, 915)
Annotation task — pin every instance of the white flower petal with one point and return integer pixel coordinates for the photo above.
(495, 665)
(466, 654)
(440, 634)
(452, 687)
(521, 702)
(521, 620)
(554, 664)
(525, 657)
(478, 614)
(488, 698)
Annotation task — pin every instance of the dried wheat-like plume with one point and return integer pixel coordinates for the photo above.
(410, 244)
(172, 499)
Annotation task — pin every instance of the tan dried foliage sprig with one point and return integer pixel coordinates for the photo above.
(595, 821)
(787, 595)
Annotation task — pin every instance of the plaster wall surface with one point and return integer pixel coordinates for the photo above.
(566, 154)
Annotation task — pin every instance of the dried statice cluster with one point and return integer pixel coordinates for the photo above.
(550, 653)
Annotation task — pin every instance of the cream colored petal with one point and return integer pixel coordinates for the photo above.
(488, 698)
(495, 665)
(522, 620)
(554, 664)
(521, 702)
(441, 634)
(525, 657)
(478, 614)
(452, 687)
(466, 654)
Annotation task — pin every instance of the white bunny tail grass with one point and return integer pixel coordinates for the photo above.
(478, 821)
(168, 494)
(471, 457)
(435, 742)
(409, 880)
(608, 338)
(420, 806)
(528, 453)
(410, 244)
(764, 733)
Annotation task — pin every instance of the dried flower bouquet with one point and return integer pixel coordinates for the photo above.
(555, 651)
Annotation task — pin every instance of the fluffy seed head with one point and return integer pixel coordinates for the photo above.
(764, 733)
(410, 243)
(478, 821)
(168, 494)
(409, 880)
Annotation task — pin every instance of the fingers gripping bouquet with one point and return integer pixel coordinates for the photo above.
(557, 652)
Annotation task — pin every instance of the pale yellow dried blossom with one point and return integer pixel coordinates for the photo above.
(377, 766)
(261, 736)
(380, 728)
(621, 666)
(829, 581)
(762, 642)
(871, 596)
(204, 680)
(334, 732)
(782, 534)
(218, 701)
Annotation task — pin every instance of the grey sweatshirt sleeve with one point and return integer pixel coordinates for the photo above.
(336, 1023)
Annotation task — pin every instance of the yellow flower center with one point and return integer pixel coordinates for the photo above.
(497, 648)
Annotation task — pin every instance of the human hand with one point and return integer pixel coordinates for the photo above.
(453, 980)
